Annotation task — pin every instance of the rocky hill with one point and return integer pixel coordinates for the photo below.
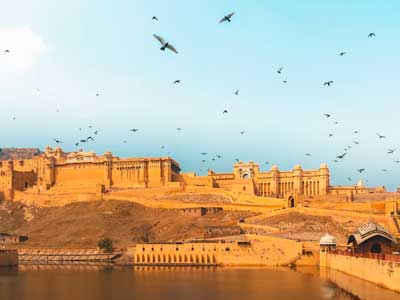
(83, 224)
(18, 153)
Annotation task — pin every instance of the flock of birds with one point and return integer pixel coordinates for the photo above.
(165, 45)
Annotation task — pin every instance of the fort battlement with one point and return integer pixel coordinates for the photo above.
(55, 173)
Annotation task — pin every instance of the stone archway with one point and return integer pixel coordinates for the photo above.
(291, 202)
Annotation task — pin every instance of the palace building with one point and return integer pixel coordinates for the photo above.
(55, 169)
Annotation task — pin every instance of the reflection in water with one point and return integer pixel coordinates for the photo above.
(104, 282)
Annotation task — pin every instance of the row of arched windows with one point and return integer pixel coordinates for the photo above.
(175, 259)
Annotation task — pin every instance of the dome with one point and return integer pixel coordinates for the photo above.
(323, 166)
(274, 168)
(327, 240)
(297, 167)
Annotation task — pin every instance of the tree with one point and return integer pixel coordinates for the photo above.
(106, 244)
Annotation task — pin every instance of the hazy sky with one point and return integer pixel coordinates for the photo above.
(64, 52)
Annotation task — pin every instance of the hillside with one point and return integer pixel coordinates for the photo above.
(83, 224)
(18, 153)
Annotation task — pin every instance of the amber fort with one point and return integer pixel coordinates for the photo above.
(55, 170)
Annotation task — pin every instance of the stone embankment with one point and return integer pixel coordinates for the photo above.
(65, 255)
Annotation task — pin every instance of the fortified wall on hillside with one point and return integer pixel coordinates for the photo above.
(55, 169)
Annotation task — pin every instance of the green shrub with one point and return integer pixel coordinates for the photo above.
(106, 244)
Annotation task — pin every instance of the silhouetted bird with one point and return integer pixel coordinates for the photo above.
(327, 115)
(356, 131)
(284, 81)
(267, 162)
(6, 51)
(242, 132)
(279, 70)
(178, 128)
(134, 129)
(342, 53)
(162, 147)
(96, 132)
(203, 153)
(372, 34)
(237, 92)
(331, 135)
(83, 141)
(308, 154)
(57, 141)
(125, 142)
(360, 170)
(380, 136)
(391, 151)
(336, 122)
(89, 138)
(164, 44)
(177, 81)
(14, 118)
(154, 18)
(219, 156)
(397, 161)
(341, 156)
(384, 170)
(227, 18)
(349, 179)
(97, 94)
(76, 144)
(237, 159)
(328, 83)
(225, 111)
(355, 142)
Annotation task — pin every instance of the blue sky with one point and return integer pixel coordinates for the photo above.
(64, 52)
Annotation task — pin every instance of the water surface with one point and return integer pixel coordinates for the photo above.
(151, 283)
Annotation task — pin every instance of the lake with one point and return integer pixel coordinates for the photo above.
(152, 283)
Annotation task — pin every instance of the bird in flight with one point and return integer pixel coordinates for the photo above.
(342, 53)
(162, 147)
(57, 141)
(164, 44)
(279, 71)
(14, 118)
(284, 81)
(380, 136)
(384, 170)
(6, 51)
(237, 159)
(227, 18)
(349, 179)
(134, 129)
(178, 128)
(341, 156)
(89, 138)
(237, 92)
(355, 132)
(308, 154)
(397, 161)
(225, 111)
(328, 83)
(77, 144)
(331, 135)
(177, 81)
(242, 132)
(356, 142)
(97, 94)
(203, 153)
(372, 34)
(391, 151)
(96, 132)
(336, 122)
(219, 156)
(327, 115)
(360, 170)
(154, 18)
